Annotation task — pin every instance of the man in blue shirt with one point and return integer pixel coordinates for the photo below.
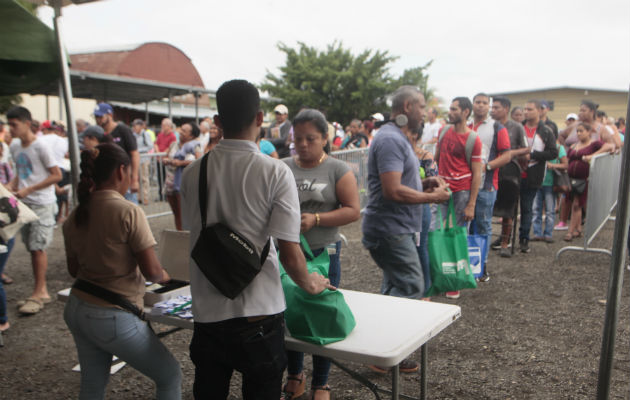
(393, 215)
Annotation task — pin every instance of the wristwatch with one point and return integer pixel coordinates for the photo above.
(488, 167)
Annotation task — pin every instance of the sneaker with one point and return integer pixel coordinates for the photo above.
(484, 278)
(453, 295)
(524, 245)
(406, 366)
(505, 252)
(548, 239)
(496, 245)
(537, 239)
(562, 226)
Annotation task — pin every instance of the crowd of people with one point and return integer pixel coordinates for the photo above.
(485, 155)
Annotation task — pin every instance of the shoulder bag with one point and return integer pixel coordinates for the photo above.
(227, 259)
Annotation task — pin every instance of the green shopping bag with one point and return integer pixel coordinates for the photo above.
(322, 318)
(448, 256)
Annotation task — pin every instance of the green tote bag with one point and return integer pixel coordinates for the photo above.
(448, 256)
(322, 318)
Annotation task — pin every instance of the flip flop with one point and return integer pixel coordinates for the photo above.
(6, 279)
(31, 306)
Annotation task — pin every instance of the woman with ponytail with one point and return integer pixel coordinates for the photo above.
(110, 250)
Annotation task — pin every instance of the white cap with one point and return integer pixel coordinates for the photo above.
(281, 109)
(378, 117)
(572, 116)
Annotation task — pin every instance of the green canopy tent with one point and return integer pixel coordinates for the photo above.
(28, 51)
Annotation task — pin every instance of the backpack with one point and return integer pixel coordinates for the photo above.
(470, 144)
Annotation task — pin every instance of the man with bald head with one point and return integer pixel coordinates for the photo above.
(393, 214)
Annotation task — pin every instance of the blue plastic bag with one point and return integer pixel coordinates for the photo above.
(477, 251)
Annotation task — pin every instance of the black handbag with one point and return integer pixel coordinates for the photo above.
(561, 181)
(578, 186)
(227, 259)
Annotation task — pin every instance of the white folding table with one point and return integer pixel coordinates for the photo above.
(388, 329)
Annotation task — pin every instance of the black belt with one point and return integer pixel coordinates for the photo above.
(108, 296)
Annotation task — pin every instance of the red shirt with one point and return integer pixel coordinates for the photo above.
(452, 165)
(503, 144)
(164, 140)
(530, 133)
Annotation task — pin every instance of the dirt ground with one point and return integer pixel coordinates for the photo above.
(532, 332)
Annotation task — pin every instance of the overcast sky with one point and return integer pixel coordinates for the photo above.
(482, 45)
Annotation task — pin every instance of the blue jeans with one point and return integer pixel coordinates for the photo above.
(4, 257)
(321, 365)
(397, 256)
(545, 199)
(460, 200)
(527, 202)
(423, 249)
(483, 215)
(100, 332)
(132, 196)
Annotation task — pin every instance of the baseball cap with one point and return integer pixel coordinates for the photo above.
(94, 131)
(137, 121)
(46, 125)
(102, 109)
(572, 116)
(378, 117)
(281, 109)
(544, 104)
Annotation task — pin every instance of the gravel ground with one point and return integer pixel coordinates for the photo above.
(532, 332)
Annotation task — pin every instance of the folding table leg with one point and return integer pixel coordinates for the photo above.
(423, 371)
(395, 382)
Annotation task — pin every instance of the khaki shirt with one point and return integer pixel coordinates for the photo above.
(105, 247)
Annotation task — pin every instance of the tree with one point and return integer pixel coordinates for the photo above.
(7, 102)
(335, 81)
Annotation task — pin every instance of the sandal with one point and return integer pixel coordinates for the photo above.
(45, 300)
(300, 389)
(577, 234)
(6, 279)
(325, 389)
(568, 237)
(31, 306)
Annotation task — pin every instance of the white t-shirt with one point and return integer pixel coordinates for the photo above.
(32, 164)
(204, 138)
(430, 131)
(256, 196)
(58, 146)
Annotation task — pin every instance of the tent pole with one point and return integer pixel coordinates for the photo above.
(47, 108)
(615, 280)
(73, 142)
(170, 104)
(60, 94)
(146, 113)
(196, 107)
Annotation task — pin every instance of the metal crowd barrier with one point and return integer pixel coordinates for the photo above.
(151, 177)
(357, 160)
(601, 200)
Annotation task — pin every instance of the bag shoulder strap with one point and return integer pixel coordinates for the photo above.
(437, 148)
(203, 202)
(470, 145)
(108, 296)
(203, 189)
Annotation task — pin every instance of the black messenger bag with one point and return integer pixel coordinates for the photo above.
(228, 260)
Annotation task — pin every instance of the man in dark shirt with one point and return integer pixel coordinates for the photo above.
(279, 131)
(543, 117)
(121, 135)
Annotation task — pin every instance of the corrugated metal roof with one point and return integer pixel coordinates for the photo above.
(546, 89)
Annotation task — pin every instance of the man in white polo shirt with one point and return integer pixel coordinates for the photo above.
(256, 196)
